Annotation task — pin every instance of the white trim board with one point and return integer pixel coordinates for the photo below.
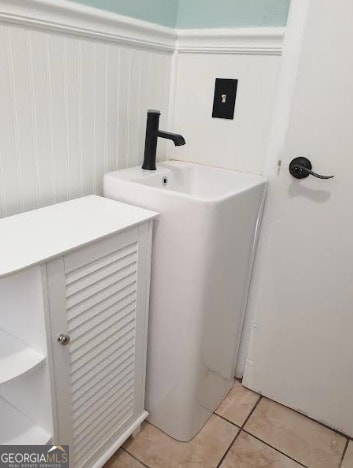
(72, 18)
(252, 41)
(68, 17)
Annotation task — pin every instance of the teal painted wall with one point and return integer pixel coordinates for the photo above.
(156, 11)
(231, 13)
(200, 13)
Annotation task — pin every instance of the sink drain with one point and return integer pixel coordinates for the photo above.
(164, 180)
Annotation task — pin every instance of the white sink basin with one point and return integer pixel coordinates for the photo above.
(203, 250)
(201, 183)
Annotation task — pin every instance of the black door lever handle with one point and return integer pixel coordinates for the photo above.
(302, 167)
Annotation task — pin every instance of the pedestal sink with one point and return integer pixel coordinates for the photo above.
(203, 250)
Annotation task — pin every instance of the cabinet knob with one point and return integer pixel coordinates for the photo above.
(63, 339)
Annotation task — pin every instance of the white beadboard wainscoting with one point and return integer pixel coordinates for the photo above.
(76, 82)
(251, 55)
(73, 102)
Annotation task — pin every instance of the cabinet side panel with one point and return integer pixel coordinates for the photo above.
(142, 308)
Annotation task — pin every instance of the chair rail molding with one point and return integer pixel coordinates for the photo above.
(246, 41)
(68, 17)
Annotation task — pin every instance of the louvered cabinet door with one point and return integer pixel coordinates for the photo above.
(98, 303)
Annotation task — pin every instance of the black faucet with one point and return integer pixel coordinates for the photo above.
(152, 134)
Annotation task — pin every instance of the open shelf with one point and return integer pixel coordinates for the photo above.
(16, 357)
(19, 430)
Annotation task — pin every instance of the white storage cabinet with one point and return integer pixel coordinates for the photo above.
(74, 291)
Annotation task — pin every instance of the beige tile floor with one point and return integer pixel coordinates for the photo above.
(246, 431)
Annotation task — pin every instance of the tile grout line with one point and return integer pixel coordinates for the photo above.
(252, 435)
(238, 433)
(252, 411)
(135, 458)
(273, 448)
(342, 434)
(336, 431)
(227, 420)
(344, 453)
(246, 432)
(305, 416)
(230, 446)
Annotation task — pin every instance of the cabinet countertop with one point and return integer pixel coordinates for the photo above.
(33, 237)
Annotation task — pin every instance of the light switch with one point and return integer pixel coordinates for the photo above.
(225, 93)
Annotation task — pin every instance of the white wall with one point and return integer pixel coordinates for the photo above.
(73, 99)
(233, 144)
